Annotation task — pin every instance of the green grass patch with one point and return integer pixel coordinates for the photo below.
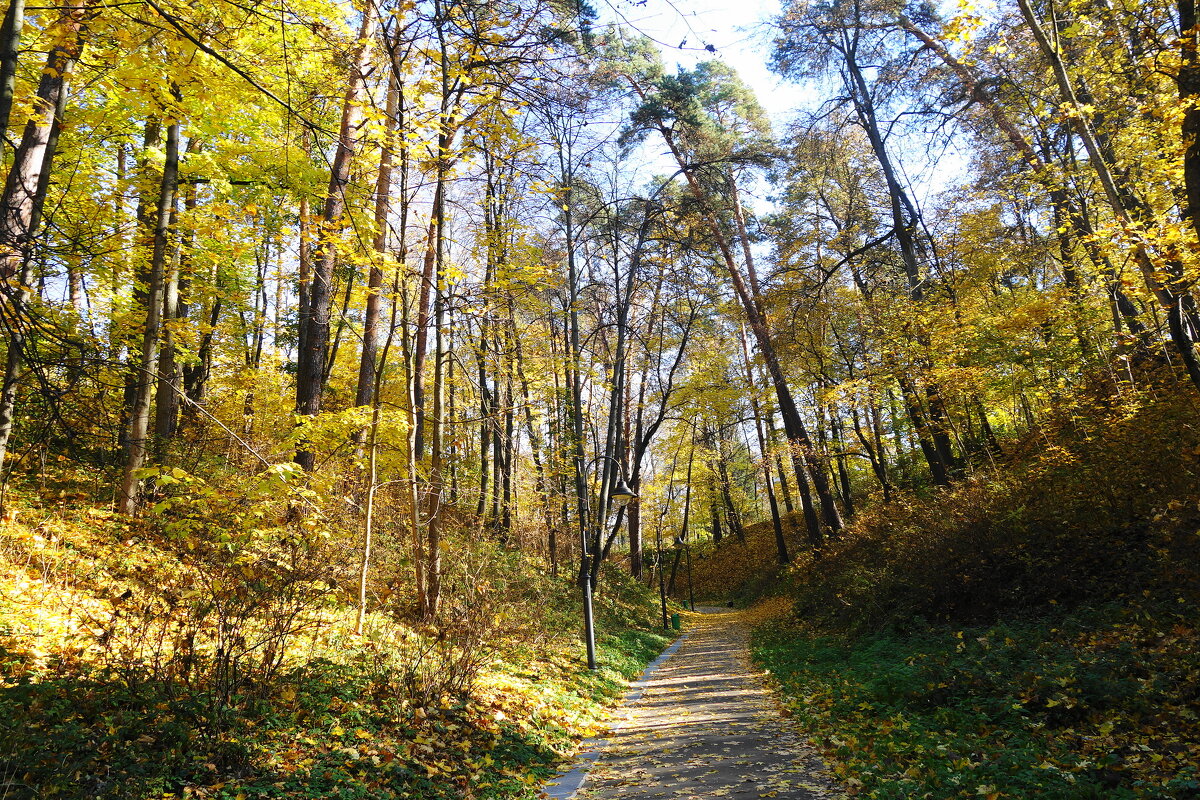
(1104, 703)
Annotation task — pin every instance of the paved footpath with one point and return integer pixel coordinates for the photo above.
(701, 725)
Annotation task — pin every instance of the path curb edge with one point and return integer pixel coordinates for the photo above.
(566, 785)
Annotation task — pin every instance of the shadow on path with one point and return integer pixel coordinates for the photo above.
(706, 726)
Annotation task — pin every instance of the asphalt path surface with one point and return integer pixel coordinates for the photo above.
(701, 723)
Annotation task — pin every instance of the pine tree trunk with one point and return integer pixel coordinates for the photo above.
(781, 549)
(793, 423)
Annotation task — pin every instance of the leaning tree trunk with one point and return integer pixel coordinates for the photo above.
(22, 201)
(905, 221)
(793, 423)
(10, 52)
(781, 550)
(1163, 276)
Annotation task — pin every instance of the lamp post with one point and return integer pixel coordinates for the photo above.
(662, 575)
(682, 544)
(620, 494)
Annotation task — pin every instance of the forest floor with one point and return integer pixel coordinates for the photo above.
(703, 724)
(97, 702)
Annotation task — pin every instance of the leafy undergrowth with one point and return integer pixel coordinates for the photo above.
(99, 700)
(1103, 501)
(1098, 704)
(1031, 631)
(743, 570)
(329, 731)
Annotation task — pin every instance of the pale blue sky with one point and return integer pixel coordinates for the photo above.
(738, 29)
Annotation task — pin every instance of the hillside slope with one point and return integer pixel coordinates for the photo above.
(1033, 631)
(137, 663)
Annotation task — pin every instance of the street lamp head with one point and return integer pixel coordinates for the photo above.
(621, 493)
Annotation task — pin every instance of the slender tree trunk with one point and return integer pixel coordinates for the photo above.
(377, 372)
(613, 441)
(149, 181)
(314, 316)
(485, 422)
(166, 404)
(635, 511)
(507, 502)
(446, 132)
(365, 392)
(916, 414)
(433, 529)
(497, 436)
(1163, 276)
(364, 565)
(139, 419)
(731, 513)
(875, 455)
(575, 389)
(75, 288)
(428, 278)
(412, 484)
(304, 270)
(687, 493)
(195, 375)
(342, 319)
(714, 510)
(542, 484)
(257, 335)
(772, 440)
(837, 430)
(558, 439)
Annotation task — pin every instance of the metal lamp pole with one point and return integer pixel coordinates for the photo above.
(620, 494)
(662, 577)
(682, 544)
(589, 625)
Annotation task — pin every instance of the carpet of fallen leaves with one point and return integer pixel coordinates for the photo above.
(1102, 702)
(329, 725)
(705, 726)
